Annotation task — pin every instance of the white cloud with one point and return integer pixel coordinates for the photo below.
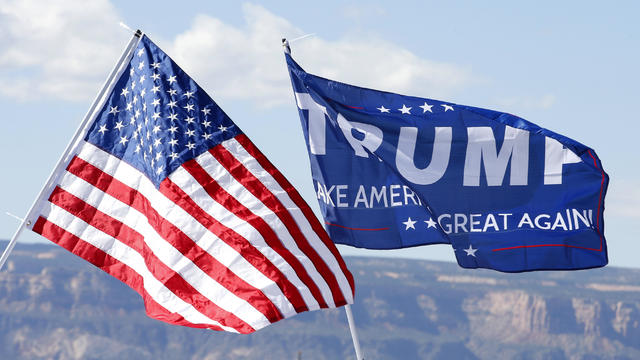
(59, 48)
(247, 62)
(65, 48)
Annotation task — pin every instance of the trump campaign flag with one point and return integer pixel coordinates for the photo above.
(163, 191)
(393, 171)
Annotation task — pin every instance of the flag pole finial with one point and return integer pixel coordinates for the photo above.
(285, 45)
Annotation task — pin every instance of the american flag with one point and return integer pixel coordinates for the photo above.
(167, 194)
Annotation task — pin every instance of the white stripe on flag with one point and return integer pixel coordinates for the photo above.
(237, 190)
(207, 241)
(251, 164)
(227, 218)
(123, 253)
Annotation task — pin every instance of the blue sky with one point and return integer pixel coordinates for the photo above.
(571, 67)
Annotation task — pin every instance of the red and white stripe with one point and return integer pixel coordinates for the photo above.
(225, 243)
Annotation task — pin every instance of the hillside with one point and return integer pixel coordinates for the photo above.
(55, 306)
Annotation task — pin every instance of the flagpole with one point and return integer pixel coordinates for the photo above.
(80, 133)
(354, 333)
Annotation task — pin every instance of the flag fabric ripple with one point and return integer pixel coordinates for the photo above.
(394, 171)
(166, 194)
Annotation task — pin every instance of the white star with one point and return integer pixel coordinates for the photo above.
(206, 123)
(430, 223)
(189, 120)
(141, 65)
(206, 136)
(123, 140)
(174, 156)
(405, 109)
(426, 107)
(383, 109)
(114, 110)
(137, 113)
(206, 111)
(129, 106)
(189, 107)
(142, 78)
(103, 129)
(172, 104)
(155, 89)
(172, 92)
(159, 170)
(188, 94)
(135, 100)
(191, 145)
(173, 117)
(155, 116)
(155, 76)
(137, 149)
(157, 142)
(155, 65)
(173, 142)
(132, 120)
(172, 79)
(222, 128)
(190, 133)
(135, 134)
(119, 125)
(140, 52)
(158, 156)
(155, 102)
(447, 107)
(144, 106)
(172, 129)
(470, 251)
(410, 224)
(133, 84)
(124, 92)
(156, 129)
(143, 93)
(131, 72)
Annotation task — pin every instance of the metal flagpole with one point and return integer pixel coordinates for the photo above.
(347, 308)
(354, 333)
(79, 134)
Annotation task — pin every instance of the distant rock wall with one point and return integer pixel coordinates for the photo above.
(55, 306)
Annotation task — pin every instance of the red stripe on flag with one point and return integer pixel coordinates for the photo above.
(174, 193)
(299, 201)
(218, 194)
(113, 267)
(255, 186)
(187, 247)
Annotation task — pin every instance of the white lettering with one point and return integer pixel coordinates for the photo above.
(481, 148)
(556, 155)
(371, 140)
(317, 122)
(439, 158)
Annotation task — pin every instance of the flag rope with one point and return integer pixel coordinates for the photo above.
(79, 134)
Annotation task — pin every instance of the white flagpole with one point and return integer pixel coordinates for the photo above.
(354, 333)
(347, 308)
(79, 134)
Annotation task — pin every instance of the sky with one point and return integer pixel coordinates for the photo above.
(571, 67)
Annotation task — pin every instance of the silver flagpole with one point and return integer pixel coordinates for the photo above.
(79, 134)
(347, 308)
(354, 333)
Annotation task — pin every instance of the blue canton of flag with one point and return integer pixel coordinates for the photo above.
(166, 194)
(158, 117)
(393, 171)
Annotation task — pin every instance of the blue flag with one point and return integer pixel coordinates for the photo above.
(393, 171)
